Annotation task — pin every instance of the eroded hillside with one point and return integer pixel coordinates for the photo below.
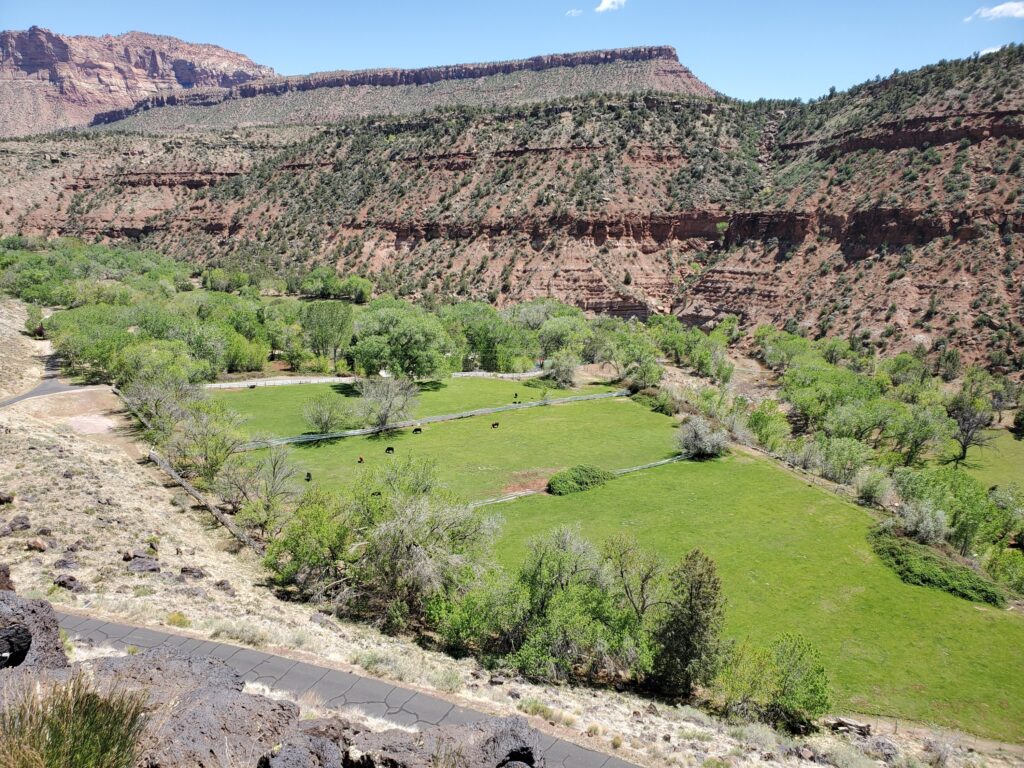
(50, 81)
(890, 211)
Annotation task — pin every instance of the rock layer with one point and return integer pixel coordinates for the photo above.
(50, 81)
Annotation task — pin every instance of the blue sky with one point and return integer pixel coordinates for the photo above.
(744, 48)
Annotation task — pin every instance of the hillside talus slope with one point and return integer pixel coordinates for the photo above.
(892, 211)
(50, 81)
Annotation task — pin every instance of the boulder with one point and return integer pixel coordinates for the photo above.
(167, 675)
(5, 578)
(70, 583)
(491, 743)
(213, 727)
(37, 616)
(144, 565)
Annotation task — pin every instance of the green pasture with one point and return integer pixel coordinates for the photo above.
(794, 557)
(277, 410)
(529, 446)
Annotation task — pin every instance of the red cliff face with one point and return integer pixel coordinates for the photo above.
(667, 74)
(50, 81)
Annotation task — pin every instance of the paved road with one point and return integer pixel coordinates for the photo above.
(51, 384)
(335, 688)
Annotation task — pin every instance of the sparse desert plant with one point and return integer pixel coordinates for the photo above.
(178, 619)
(71, 724)
(697, 439)
(243, 633)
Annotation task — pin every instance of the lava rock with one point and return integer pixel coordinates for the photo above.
(492, 742)
(224, 586)
(193, 572)
(144, 565)
(70, 583)
(6, 584)
(47, 650)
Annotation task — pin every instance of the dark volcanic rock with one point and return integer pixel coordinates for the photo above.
(166, 675)
(491, 743)
(5, 578)
(38, 616)
(214, 727)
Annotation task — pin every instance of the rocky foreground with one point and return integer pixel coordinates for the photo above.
(200, 713)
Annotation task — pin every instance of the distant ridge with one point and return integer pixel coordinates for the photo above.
(658, 68)
(50, 81)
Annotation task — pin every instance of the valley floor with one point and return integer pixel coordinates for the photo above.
(73, 462)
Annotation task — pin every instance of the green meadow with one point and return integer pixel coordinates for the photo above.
(277, 410)
(792, 556)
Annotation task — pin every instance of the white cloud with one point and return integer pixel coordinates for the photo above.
(614, 5)
(572, 13)
(993, 49)
(1013, 10)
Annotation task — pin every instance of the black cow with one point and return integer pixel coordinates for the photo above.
(389, 449)
(494, 425)
(360, 461)
(417, 431)
(309, 476)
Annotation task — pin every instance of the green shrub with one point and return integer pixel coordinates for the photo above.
(1018, 423)
(71, 724)
(917, 564)
(769, 425)
(582, 477)
(800, 692)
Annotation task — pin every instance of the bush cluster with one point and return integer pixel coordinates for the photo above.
(581, 477)
(918, 564)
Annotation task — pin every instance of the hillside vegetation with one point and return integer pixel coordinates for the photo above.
(892, 211)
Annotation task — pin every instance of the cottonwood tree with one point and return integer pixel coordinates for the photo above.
(327, 326)
(386, 399)
(403, 340)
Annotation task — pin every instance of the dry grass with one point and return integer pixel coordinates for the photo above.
(20, 368)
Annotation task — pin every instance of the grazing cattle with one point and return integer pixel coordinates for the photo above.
(417, 431)
(360, 460)
(494, 425)
(252, 386)
(309, 476)
(389, 449)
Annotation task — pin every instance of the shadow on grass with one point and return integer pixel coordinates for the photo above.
(345, 390)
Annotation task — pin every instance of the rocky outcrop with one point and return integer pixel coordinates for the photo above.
(50, 81)
(501, 742)
(669, 76)
(46, 650)
(200, 714)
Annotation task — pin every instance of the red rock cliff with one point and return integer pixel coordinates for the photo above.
(50, 81)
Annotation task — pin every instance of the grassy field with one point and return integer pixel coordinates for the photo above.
(529, 446)
(277, 410)
(1000, 462)
(794, 558)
